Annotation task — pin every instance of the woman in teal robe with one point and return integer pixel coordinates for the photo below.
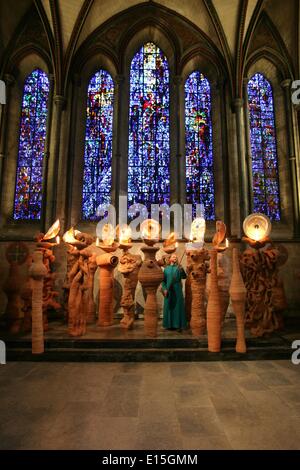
(174, 311)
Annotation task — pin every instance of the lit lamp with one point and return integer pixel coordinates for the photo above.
(150, 231)
(108, 243)
(197, 234)
(70, 238)
(170, 244)
(257, 228)
(124, 234)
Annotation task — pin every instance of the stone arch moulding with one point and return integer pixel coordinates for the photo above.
(79, 90)
(24, 64)
(273, 69)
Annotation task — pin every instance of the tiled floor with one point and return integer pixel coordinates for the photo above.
(219, 405)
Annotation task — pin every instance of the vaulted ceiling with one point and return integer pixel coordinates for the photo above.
(228, 23)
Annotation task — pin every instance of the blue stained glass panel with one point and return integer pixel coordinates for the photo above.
(98, 145)
(33, 128)
(265, 183)
(149, 145)
(198, 144)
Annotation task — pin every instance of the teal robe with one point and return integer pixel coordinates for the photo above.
(174, 311)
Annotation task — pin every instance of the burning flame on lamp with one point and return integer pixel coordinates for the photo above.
(171, 240)
(108, 234)
(53, 231)
(69, 237)
(198, 230)
(150, 229)
(124, 233)
(257, 226)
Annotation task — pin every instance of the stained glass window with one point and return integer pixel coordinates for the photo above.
(263, 147)
(98, 145)
(33, 127)
(198, 144)
(149, 146)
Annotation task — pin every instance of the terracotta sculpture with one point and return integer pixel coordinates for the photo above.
(150, 275)
(49, 293)
(238, 298)
(129, 266)
(37, 272)
(198, 269)
(265, 299)
(265, 293)
(214, 305)
(106, 263)
(16, 255)
(223, 282)
(214, 308)
(80, 279)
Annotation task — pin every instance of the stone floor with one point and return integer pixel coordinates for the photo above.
(219, 405)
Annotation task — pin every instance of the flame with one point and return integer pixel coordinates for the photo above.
(108, 234)
(69, 237)
(124, 233)
(150, 229)
(53, 231)
(257, 226)
(57, 240)
(171, 239)
(198, 230)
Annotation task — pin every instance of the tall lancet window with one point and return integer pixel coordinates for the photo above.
(198, 144)
(32, 140)
(96, 190)
(265, 183)
(149, 143)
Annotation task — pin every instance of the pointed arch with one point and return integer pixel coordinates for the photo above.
(33, 128)
(98, 145)
(199, 144)
(149, 142)
(265, 179)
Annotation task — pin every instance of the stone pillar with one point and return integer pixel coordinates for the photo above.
(119, 81)
(177, 170)
(76, 83)
(47, 153)
(247, 140)
(225, 157)
(53, 191)
(9, 81)
(286, 86)
(242, 166)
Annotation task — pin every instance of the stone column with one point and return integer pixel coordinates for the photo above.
(286, 86)
(115, 184)
(47, 153)
(242, 166)
(225, 157)
(247, 140)
(69, 200)
(53, 191)
(9, 81)
(177, 170)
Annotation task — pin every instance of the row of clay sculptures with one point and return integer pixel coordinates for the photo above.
(206, 303)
